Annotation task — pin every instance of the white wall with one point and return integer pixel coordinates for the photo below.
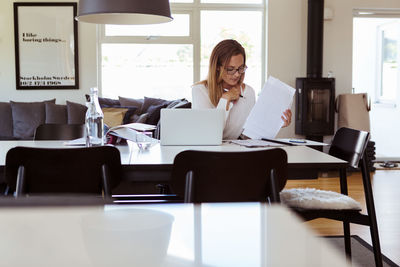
(287, 41)
(87, 62)
(287, 36)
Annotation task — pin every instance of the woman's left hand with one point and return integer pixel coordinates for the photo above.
(287, 118)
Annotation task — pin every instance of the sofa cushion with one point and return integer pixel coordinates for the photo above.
(142, 118)
(131, 102)
(76, 113)
(184, 104)
(56, 113)
(154, 113)
(114, 116)
(108, 102)
(27, 116)
(105, 102)
(176, 102)
(148, 102)
(6, 121)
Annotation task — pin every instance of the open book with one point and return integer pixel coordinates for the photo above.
(124, 132)
(130, 130)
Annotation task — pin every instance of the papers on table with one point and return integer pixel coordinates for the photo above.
(76, 142)
(302, 142)
(276, 142)
(254, 143)
(131, 130)
(125, 131)
(265, 119)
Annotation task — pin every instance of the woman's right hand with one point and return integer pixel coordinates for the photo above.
(232, 94)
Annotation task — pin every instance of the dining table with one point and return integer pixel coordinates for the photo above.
(40, 232)
(154, 165)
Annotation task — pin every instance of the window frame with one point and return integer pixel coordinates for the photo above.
(378, 13)
(194, 11)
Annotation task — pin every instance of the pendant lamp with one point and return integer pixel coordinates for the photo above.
(124, 12)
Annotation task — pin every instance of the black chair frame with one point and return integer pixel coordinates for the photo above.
(55, 131)
(351, 216)
(206, 176)
(37, 171)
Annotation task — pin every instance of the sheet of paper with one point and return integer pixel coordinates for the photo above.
(304, 143)
(254, 143)
(76, 142)
(264, 120)
(141, 127)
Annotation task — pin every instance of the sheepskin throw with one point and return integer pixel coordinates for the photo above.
(311, 198)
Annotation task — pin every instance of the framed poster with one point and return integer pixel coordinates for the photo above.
(46, 46)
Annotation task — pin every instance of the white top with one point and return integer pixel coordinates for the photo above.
(178, 235)
(160, 155)
(236, 115)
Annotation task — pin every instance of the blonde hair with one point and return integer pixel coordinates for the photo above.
(220, 57)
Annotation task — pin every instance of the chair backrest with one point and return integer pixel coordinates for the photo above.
(229, 176)
(63, 170)
(349, 144)
(59, 131)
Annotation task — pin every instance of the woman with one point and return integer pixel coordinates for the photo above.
(224, 88)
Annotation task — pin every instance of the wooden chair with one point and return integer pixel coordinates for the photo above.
(350, 145)
(59, 131)
(205, 176)
(89, 170)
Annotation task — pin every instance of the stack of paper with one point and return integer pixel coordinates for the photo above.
(265, 119)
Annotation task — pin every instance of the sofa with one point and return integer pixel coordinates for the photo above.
(147, 110)
(19, 120)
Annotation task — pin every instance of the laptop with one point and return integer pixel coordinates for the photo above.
(191, 126)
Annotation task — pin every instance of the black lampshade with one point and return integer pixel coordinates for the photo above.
(124, 12)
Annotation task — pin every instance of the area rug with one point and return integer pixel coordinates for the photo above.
(362, 252)
(381, 166)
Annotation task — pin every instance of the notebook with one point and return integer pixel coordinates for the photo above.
(191, 126)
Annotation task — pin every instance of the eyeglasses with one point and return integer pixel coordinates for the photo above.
(232, 71)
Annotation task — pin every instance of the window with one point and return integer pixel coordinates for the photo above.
(376, 54)
(388, 54)
(164, 60)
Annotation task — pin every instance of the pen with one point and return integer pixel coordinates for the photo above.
(278, 142)
(226, 90)
(300, 141)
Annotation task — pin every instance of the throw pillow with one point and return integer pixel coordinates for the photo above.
(176, 102)
(105, 102)
(184, 104)
(113, 116)
(131, 102)
(56, 113)
(117, 115)
(129, 115)
(76, 113)
(140, 118)
(27, 116)
(148, 102)
(154, 114)
(6, 121)
(108, 102)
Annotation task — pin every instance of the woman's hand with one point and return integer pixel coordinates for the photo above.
(232, 94)
(287, 118)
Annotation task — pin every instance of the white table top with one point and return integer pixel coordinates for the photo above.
(236, 234)
(298, 156)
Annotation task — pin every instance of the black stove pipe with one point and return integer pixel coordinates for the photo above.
(315, 38)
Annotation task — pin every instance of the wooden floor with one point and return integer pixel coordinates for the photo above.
(386, 189)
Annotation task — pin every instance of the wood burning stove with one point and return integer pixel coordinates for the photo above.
(315, 95)
(315, 110)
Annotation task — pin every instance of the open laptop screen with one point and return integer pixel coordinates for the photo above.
(191, 126)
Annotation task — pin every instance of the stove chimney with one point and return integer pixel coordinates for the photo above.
(315, 38)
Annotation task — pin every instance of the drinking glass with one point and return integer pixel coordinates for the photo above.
(144, 140)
